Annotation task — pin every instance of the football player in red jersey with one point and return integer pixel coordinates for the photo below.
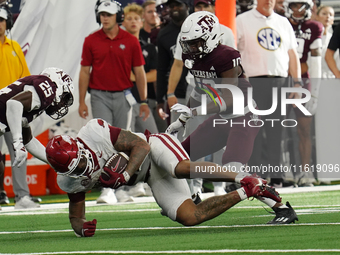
(209, 61)
(158, 159)
(27, 98)
(309, 38)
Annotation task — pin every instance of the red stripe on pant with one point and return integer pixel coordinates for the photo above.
(181, 155)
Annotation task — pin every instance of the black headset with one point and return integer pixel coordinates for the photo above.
(119, 15)
(9, 21)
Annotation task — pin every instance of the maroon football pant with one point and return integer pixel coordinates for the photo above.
(236, 135)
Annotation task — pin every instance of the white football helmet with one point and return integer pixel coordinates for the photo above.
(200, 34)
(64, 92)
(307, 6)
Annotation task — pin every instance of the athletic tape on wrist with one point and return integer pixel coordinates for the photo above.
(242, 193)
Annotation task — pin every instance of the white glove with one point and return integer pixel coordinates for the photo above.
(175, 127)
(185, 110)
(20, 153)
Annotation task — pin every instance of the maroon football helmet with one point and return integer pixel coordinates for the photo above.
(64, 154)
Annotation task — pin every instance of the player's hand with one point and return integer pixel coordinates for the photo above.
(175, 127)
(89, 227)
(144, 111)
(115, 179)
(20, 153)
(186, 112)
(160, 110)
(83, 111)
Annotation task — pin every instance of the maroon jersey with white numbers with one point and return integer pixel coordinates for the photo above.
(210, 67)
(310, 31)
(44, 87)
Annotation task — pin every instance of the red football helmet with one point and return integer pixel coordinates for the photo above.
(64, 154)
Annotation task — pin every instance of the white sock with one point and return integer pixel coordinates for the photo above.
(267, 201)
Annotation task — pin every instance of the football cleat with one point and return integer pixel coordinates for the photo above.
(3, 198)
(270, 192)
(284, 215)
(196, 198)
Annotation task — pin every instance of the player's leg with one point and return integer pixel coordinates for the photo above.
(206, 139)
(100, 105)
(173, 196)
(190, 214)
(305, 145)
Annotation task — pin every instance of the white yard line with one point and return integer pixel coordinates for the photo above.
(171, 228)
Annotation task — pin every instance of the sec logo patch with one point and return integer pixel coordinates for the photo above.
(269, 39)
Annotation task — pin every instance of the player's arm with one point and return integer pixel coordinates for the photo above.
(135, 147)
(229, 77)
(84, 80)
(295, 71)
(329, 57)
(174, 78)
(15, 108)
(81, 227)
(142, 90)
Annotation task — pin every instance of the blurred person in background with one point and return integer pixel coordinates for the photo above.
(325, 15)
(108, 57)
(308, 36)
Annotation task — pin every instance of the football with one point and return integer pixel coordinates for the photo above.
(116, 163)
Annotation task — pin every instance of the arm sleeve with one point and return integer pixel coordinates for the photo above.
(114, 133)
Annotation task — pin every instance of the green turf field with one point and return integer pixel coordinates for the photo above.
(137, 228)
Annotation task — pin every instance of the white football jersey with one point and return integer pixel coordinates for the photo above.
(96, 136)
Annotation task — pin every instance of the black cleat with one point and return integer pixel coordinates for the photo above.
(3, 198)
(196, 198)
(284, 215)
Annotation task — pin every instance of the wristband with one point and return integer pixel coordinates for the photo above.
(144, 101)
(171, 95)
(126, 176)
(298, 82)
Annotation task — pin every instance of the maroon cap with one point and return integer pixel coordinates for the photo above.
(209, 2)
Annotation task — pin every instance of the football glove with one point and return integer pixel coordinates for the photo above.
(20, 153)
(116, 179)
(253, 186)
(89, 227)
(186, 112)
(175, 127)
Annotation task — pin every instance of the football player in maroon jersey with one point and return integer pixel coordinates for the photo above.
(309, 38)
(211, 63)
(27, 98)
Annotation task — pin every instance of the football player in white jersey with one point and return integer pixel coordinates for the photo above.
(158, 159)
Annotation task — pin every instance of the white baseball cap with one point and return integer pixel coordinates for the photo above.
(3, 13)
(108, 7)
